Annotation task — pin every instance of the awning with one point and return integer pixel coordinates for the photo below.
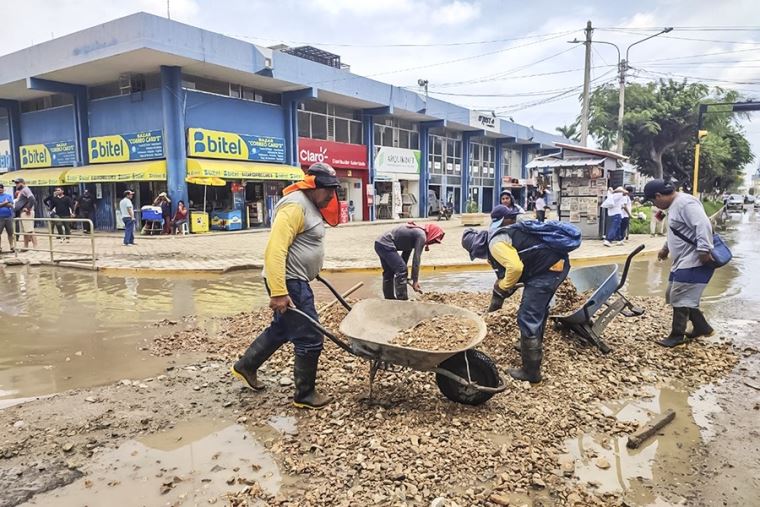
(151, 170)
(237, 170)
(48, 177)
(549, 163)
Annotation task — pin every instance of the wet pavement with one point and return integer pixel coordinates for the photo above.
(85, 329)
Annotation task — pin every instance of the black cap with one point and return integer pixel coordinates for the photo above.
(658, 187)
(500, 212)
(324, 175)
(19, 180)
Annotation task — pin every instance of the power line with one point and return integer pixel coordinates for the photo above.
(524, 94)
(705, 28)
(676, 37)
(698, 78)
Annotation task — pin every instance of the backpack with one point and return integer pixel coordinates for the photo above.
(559, 236)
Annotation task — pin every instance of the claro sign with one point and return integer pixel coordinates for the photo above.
(340, 155)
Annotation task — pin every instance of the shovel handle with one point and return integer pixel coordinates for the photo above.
(335, 293)
(628, 261)
(316, 325)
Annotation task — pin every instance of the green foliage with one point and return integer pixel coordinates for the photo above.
(712, 207)
(751, 190)
(472, 206)
(659, 129)
(570, 131)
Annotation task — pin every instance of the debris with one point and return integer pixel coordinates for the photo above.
(91, 399)
(443, 332)
(285, 381)
(601, 462)
(498, 499)
(753, 386)
(67, 447)
(635, 440)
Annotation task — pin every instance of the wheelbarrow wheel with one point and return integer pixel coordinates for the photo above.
(483, 372)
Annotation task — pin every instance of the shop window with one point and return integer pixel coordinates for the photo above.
(414, 140)
(46, 102)
(304, 124)
(341, 131)
(318, 126)
(356, 132)
(403, 139)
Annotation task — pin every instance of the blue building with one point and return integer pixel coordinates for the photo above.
(152, 105)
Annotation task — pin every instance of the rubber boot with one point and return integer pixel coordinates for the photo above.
(532, 352)
(257, 353)
(678, 331)
(388, 292)
(701, 326)
(497, 301)
(305, 373)
(399, 286)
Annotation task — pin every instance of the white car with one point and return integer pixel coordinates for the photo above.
(735, 203)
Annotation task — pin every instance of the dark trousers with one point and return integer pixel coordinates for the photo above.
(534, 306)
(288, 327)
(390, 260)
(613, 228)
(129, 231)
(63, 228)
(541, 215)
(86, 215)
(625, 223)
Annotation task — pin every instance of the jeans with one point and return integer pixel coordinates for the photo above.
(177, 225)
(613, 228)
(86, 215)
(390, 260)
(534, 306)
(625, 223)
(289, 327)
(541, 215)
(63, 228)
(129, 231)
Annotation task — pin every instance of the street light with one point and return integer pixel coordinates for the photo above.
(622, 68)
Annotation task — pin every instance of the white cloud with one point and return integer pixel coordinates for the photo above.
(455, 13)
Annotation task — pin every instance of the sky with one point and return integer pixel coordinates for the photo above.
(495, 55)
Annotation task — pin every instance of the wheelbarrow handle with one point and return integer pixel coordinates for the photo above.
(337, 295)
(627, 265)
(316, 325)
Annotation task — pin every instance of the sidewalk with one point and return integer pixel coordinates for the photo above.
(348, 248)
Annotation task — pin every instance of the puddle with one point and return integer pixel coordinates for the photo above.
(662, 459)
(190, 464)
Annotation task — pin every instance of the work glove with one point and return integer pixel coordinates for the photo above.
(498, 296)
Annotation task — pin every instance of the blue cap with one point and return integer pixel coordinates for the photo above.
(501, 212)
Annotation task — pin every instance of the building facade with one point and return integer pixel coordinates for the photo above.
(153, 105)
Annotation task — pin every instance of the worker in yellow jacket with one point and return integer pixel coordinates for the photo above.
(293, 257)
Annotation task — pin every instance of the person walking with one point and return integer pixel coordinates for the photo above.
(6, 218)
(626, 213)
(406, 239)
(24, 209)
(61, 207)
(541, 206)
(689, 243)
(517, 256)
(128, 217)
(293, 257)
(614, 206)
(85, 206)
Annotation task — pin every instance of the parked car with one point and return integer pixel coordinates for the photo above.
(735, 203)
(434, 206)
(749, 199)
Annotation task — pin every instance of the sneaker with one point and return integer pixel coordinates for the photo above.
(606, 243)
(620, 243)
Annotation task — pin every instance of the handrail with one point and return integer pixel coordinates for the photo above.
(51, 221)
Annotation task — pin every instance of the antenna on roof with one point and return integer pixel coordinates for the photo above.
(168, 10)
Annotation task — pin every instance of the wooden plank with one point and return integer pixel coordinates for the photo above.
(652, 427)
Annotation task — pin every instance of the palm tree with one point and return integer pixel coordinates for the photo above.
(570, 131)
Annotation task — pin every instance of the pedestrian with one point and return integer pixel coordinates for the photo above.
(128, 217)
(689, 243)
(351, 211)
(406, 239)
(293, 257)
(166, 211)
(614, 206)
(24, 209)
(507, 199)
(520, 257)
(86, 208)
(541, 205)
(657, 221)
(627, 213)
(180, 217)
(6, 218)
(61, 207)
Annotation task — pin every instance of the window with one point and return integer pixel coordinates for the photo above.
(482, 164)
(46, 102)
(227, 89)
(319, 120)
(397, 133)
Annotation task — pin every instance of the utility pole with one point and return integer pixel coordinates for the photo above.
(622, 67)
(168, 10)
(586, 86)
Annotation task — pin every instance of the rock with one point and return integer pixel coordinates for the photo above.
(438, 502)
(498, 499)
(601, 462)
(67, 447)
(91, 399)
(196, 388)
(537, 482)
(231, 480)
(574, 499)
(18, 424)
(126, 382)
(285, 381)
(78, 353)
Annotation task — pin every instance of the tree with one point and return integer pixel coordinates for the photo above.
(659, 129)
(570, 131)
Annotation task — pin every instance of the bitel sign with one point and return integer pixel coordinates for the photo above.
(340, 155)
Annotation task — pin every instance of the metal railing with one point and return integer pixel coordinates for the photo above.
(63, 234)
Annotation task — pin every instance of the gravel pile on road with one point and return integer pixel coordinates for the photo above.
(412, 445)
(443, 332)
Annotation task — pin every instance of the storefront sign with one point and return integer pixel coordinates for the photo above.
(230, 146)
(126, 147)
(485, 121)
(57, 154)
(339, 155)
(6, 161)
(397, 161)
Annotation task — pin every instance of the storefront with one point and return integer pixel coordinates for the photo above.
(482, 174)
(445, 166)
(254, 173)
(397, 183)
(350, 164)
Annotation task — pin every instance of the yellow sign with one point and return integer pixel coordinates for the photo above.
(231, 146)
(126, 147)
(242, 170)
(154, 170)
(104, 149)
(57, 154)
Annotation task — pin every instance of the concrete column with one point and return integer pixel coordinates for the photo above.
(81, 125)
(523, 161)
(368, 124)
(424, 170)
(498, 171)
(172, 99)
(14, 129)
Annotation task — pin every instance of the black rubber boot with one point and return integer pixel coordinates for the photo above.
(305, 373)
(497, 301)
(257, 353)
(532, 352)
(399, 286)
(701, 326)
(388, 292)
(678, 331)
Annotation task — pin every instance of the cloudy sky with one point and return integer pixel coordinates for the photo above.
(501, 55)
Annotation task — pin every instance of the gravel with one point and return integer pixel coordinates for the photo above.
(443, 332)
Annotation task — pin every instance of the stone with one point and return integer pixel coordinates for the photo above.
(91, 399)
(498, 499)
(285, 381)
(67, 447)
(601, 462)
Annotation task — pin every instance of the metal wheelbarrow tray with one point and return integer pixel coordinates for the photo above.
(464, 375)
(604, 282)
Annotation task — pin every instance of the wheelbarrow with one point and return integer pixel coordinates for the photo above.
(606, 285)
(464, 375)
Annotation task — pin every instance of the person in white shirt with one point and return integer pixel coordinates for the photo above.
(625, 218)
(614, 205)
(541, 206)
(128, 217)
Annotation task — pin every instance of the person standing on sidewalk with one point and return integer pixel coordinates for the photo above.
(6, 217)
(691, 268)
(86, 208)
(293, 257)
(614, 206)
(541, 205)
(24, 209)
(61, 207)
(625, 217)
(128, 217)
(405, 239)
